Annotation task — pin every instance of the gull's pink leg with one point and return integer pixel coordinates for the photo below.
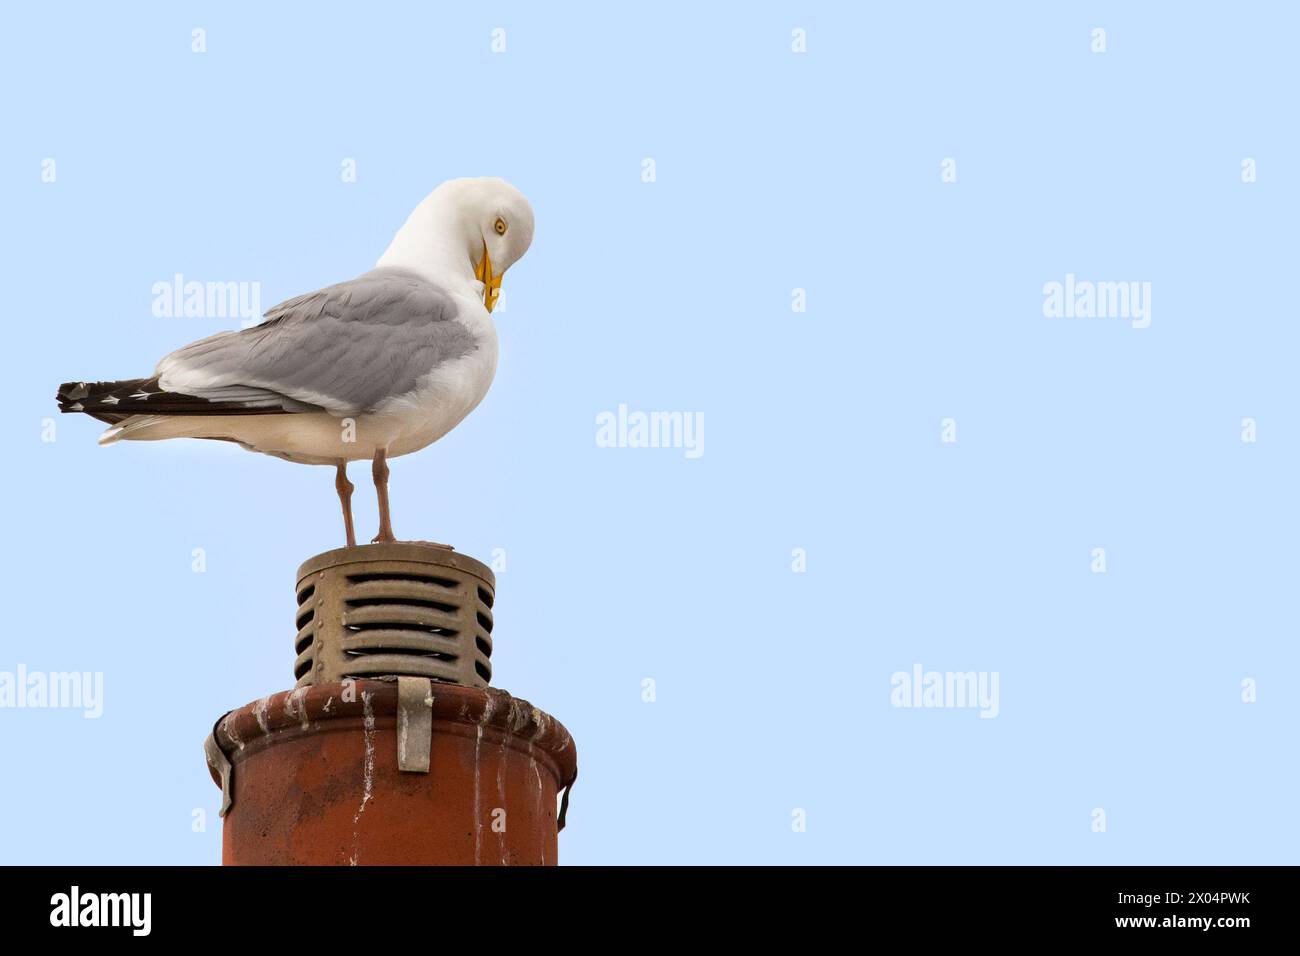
(344, 488)
(380, 471)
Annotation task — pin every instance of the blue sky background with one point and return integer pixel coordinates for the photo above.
(775, 171)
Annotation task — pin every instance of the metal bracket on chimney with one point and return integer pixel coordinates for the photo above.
(414, 723)
(564, 805)
(219, 762)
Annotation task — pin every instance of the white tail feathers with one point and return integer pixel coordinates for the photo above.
(129, 427)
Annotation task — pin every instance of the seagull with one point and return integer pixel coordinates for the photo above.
(369, 369)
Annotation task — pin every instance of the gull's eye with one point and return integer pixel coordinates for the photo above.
(500, 226)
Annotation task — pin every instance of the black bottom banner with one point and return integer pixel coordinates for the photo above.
(1161, 906)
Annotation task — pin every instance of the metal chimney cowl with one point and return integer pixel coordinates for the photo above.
(392, 749)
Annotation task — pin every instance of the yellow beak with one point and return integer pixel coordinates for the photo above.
(491, 283)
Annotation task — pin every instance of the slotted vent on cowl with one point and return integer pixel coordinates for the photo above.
(397, 609)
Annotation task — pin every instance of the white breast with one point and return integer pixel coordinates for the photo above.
(441, 400)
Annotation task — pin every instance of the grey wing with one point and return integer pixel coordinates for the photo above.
(346, 348)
